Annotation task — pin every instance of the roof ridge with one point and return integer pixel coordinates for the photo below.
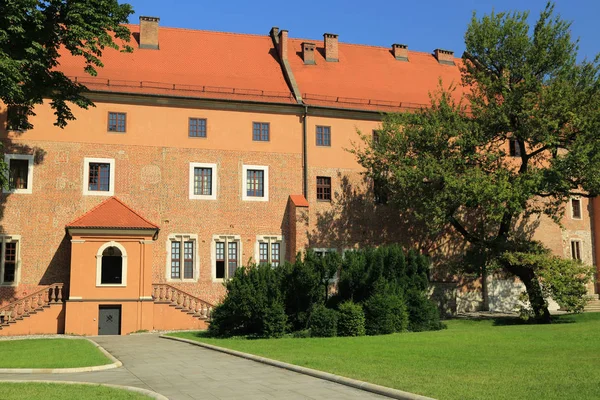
(133, 211)
(176, 28)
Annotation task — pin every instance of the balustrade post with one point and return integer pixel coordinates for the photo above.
(58, 293)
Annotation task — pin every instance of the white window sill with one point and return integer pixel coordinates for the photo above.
(111, 285)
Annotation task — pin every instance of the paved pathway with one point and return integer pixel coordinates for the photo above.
(183, 371)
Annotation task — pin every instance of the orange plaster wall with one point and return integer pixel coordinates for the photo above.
(82, 317)
(158, 126)
(49, 321)
(167, 318)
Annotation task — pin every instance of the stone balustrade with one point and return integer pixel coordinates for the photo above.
(165, 293)
(32, 303)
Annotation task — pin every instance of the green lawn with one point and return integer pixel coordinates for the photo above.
(50, 353)
(46, 391)
(469, 360)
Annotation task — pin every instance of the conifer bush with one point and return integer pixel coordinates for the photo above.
(323, 322)
(351, 319)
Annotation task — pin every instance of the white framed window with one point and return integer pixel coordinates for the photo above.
(98, 176)
(321, 251)
(10, 259)
(576, 210)
(255, 183)
(20, 173)
(183, 264)
(576, 249)
(203, 181)
(269, 249)
(226, 253)
(111, 265)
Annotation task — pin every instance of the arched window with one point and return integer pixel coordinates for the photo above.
(112, 267)
(111, 264)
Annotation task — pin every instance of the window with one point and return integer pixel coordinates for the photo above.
(226, 254)
(111, 265)
(576, 250)
(197, 127)
(203, 181)
(321, 252)
(260, 131)
(269, 250)
(323, 136)
(576, 208)
(99, 176)
(255, 183)
(376, 134)
(10, 259)
(323, 188)
(182, 260)
(14, 116)
(20, 173)
(116, 122)
(380, 191)
(514, 148)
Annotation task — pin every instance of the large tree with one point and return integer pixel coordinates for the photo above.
(32, 32)
(451, 164)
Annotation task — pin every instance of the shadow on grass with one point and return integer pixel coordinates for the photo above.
(508, 320)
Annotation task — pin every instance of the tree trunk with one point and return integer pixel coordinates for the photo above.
(484, 289)
(534, 292)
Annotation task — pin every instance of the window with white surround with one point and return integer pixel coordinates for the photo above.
(111, 265)
(269, 249)
(226, 251)
(320, 252)
(576, 208)
(182, 258)
(99, 176)
(255, 183)
(20, 173)
(576, 249)
(10, 259)
(203, 181)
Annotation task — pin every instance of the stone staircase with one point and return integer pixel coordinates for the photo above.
(32, 304)
(593, 305)
(163, 293)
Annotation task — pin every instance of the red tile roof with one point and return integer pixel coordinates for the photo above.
(299, 200)
(191, 63)
(112, 213)
(369, 77)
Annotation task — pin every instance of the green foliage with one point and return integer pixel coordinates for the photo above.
(385, 313)
(323, 322)
(31, 34)
(351, 319)
(423, 314)
(301, 290)
(252, 306)
(524, 85)
(563, 280)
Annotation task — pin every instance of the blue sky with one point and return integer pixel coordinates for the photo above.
(423, 25)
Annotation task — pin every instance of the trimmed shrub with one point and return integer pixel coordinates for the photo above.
(423, 314)
(303, 334)
(252, 306)
(385, 313)
(323, 322)
(351, 319)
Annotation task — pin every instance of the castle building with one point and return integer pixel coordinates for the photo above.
(205, 151)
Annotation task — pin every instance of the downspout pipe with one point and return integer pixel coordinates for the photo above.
(305, 154)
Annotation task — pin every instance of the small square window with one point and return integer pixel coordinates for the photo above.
(376, 134)
(260, 131)
(203, 181)
(14, 118)
(255, 183)
(99, 176)
(576, 208)
(323, 188)
(197, 127)
(20, 173)
(514, 148)
(116, 122)
(576, 250)
(323, 136)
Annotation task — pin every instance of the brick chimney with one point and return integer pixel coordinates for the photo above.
(400, 51)
(149, 32)
(331, 47)
(283, 44)
(445, 57)
(308, 53)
